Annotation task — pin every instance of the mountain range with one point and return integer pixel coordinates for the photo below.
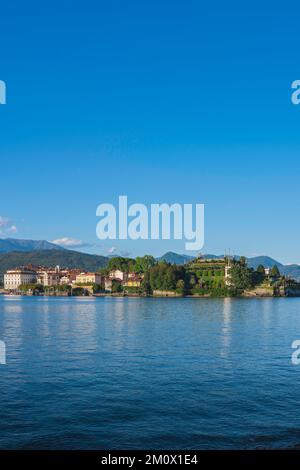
(17, 252)
(175, 258)
(292, 270)
(14, 244)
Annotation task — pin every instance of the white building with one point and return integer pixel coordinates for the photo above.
(108, 283)
(48, 278)
(65, 280)
(14, 278)
(117, 274)
(227, 275)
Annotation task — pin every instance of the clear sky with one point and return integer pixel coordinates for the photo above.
(164, 101)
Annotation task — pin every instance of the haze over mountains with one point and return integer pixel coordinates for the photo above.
(17, 252)
(14, 244)
(254, 262)
(292, 270)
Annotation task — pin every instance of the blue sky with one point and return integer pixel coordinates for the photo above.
(164, 101)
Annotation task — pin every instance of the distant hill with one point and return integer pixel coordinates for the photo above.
(266, 261)
(175, 258)
(14, 244)
(291, 270)
(51, 258)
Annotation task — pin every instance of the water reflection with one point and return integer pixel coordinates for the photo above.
(155, 373)
(226, 326)
(11, 322)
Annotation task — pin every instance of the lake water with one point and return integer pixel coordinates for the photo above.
(109, 373)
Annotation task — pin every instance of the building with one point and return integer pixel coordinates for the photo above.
(89, 278)
(117, 274)
(134, 275)
(48, 278)
(15, 278)
(73, 273)
(227, 275)
(65, 280)
(134, 280)
(108, 283)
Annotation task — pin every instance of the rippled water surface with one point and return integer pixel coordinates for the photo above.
(149, 373)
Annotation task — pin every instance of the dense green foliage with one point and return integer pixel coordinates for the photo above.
(123, 264)
(139, 265)
(116, 287)
(165, 276)
(78, 291)
(40, 289)
(31, 288)
(275, 272)
(97, 288)
(144, 263)
(241, 276)
(61, 288)
(207, 277)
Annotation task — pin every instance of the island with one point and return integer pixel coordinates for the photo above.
(146, 276)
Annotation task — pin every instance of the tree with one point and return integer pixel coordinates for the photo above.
(97, 288)
(146, 285)
(163, 276)
(103, 271)
(193, 281)
(243, 261)
(275, 271)
(123, 264)
(260, 269)
(259, 275)
(78, 291)
(169, 281)
(143, 264)
(63, 288)
(180, 286)
(116, 286)
(241, 277)
(34, 288)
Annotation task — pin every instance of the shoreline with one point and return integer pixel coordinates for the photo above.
(137, 296)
